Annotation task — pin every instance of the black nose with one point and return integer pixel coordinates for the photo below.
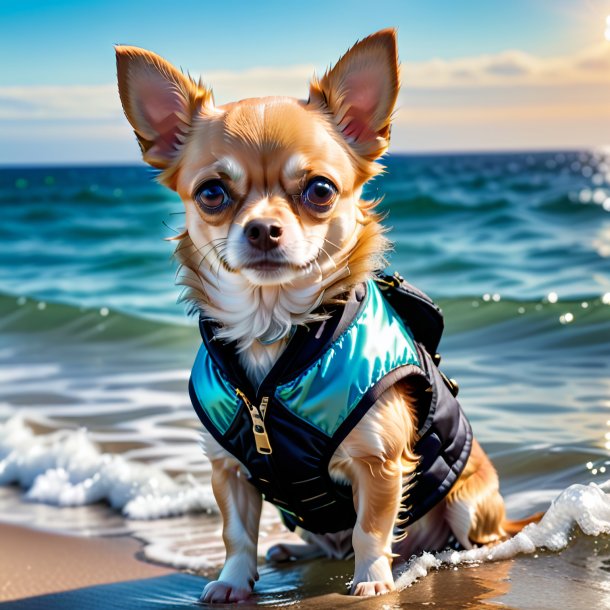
(264, 233)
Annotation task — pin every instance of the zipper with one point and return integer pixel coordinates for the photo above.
(263, 446)
(257, 415)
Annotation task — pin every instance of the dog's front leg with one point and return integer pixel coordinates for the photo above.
(240, 505)
(377, 491)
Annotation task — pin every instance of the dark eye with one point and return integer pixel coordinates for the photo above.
(320, 193)
(212, 196)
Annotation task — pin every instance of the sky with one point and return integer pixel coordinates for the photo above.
(477, 75)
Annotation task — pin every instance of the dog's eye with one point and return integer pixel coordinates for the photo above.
(320, 193)
(212, 196)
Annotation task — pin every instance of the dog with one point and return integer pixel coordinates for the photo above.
(277, 237)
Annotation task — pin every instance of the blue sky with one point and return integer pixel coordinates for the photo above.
(57, 101)
(70, 41)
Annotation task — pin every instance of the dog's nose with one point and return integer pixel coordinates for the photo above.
(263, 233)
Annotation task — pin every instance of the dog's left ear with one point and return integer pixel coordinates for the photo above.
(360, 92)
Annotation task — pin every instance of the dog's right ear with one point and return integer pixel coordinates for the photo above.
(159, 102)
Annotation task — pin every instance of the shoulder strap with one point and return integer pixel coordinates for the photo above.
(415, 308)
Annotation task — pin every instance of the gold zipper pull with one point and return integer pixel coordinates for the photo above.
(258, 422)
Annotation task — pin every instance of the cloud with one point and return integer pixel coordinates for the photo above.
(102, 101)
(27, 103)
(511, 68)
(229, 86)
(507, 100)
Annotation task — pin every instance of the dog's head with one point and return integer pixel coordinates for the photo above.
(271, 185)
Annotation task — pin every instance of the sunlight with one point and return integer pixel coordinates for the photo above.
(607, 34)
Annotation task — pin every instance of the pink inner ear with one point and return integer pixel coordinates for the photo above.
(363, 96)
(356, 127)
(159, 102)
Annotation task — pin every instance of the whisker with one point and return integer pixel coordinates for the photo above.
(330, 258)
(212, 248)
(170, 228)
(331, 243)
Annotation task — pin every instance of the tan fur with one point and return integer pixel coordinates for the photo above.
(376, 457)
(265, 151)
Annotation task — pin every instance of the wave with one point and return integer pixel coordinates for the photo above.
(462, 314)
(400, 205)
(570, 206)
(65, 468)
(497, 211)
(86, 196)
(30, 315)
(584, 506)
(471, 313)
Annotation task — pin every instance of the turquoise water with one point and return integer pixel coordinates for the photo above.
(517, 225)
(515, 248)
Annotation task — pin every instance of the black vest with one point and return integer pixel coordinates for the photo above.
(286, 446)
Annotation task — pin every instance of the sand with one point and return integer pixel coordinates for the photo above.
(37, 563)
(47, 571)
(42, 571)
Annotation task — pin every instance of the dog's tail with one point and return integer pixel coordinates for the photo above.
(514, 527)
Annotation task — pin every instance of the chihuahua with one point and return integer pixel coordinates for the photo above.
(277, 236)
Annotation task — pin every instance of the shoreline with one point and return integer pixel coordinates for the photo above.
(47, 571)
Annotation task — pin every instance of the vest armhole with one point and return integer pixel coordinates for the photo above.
(369, 399)
(454, 472)
(351, 311)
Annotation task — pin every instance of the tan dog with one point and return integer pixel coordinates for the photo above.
(276, 227)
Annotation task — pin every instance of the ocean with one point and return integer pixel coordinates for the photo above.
(95, 354)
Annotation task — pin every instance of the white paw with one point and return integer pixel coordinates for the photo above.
(362, 589)
(219, 592)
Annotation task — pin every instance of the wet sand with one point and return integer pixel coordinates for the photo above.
(52, 572)
(34, 563)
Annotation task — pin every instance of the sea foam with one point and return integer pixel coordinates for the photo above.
(585, 506)
(66, 468)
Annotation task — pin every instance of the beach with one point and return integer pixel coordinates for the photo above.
(105, 496)
(52, 572)
(35, 563)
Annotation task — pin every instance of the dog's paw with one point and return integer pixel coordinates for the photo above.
(279, 553)
(363, 589)
(219, 592)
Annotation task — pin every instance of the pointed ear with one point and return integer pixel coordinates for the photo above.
(159, 102)
(360, 93)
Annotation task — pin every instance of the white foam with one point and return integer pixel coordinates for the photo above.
(585, 506)
(66, 468)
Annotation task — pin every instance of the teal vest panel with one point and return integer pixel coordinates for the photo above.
(214, 391)
(374, 344)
